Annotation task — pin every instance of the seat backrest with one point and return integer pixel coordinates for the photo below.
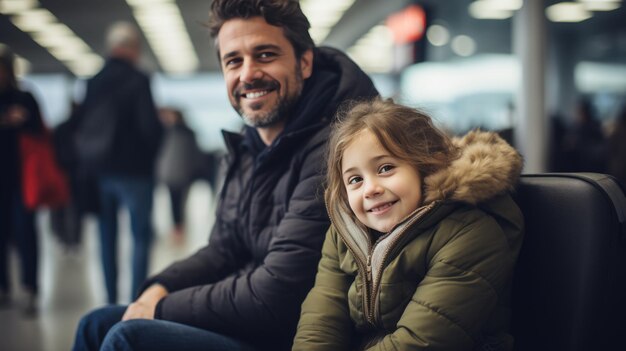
(569, 288)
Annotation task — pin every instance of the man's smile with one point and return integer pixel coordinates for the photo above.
(255, 94)
(256, 89)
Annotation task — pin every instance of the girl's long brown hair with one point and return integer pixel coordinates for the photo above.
(406, 133)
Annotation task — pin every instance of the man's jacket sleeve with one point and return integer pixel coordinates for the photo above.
(266, 300)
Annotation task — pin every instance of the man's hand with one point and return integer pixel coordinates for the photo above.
(143, 307)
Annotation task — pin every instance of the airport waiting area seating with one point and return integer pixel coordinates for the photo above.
(569, 288)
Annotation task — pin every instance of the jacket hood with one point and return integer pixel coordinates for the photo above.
(335, 79)
(487, 166)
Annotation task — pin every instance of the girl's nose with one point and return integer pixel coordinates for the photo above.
(372, 189)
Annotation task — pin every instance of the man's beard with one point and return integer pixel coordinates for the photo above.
(281, 110)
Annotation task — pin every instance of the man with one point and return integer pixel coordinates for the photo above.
(117, 138)
(243, 291)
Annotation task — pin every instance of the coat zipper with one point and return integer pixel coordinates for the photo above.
(374, 302)
(369, 285)
(364, 269)
(371, 305)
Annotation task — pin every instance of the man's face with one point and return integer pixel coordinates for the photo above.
(263, 76)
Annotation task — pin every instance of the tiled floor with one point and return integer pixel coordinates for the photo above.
(71, 282)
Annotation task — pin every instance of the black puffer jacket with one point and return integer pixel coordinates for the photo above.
(137, 129)
(251, 279)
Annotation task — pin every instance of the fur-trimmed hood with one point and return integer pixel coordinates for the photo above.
(487, 166)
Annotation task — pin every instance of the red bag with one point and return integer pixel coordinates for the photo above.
(43, 182)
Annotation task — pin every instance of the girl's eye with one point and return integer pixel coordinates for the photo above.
(385, 168)
(354, 180)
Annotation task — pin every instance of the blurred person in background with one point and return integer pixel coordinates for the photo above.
(66, 221)
(617, 148)
(118, 134)
(19, 113)
(243, 291)
(585, 143)
(557, 159)
(178, 164)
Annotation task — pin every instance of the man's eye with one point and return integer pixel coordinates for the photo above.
(354, 180)
(385, 168)
(232, 62)
(265, 55)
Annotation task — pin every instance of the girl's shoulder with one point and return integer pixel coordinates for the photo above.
(466, 222)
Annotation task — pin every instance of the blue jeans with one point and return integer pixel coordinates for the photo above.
(102, 330)
(136, 193)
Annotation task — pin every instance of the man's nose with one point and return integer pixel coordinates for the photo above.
(250, 72)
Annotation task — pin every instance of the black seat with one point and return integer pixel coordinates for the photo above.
(569, 288)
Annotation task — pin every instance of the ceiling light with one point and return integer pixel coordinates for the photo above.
(438, 35)
(323, 15)
(58, 29)
(463, 45)
(33, 20)
(600, 5)
(85, 65)
(57, 38)
(494, 9)
(164, 28)
(10, 7)
(567, 12)
(476, 12)
(503, 5)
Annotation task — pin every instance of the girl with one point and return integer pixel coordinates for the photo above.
(424, 237)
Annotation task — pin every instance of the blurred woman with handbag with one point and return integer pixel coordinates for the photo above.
(19, 114)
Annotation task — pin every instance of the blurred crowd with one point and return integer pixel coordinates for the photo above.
(110, 153)
(586, 144)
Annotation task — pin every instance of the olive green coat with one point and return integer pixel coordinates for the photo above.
(440, 280)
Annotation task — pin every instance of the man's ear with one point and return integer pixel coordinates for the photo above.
(306, 64)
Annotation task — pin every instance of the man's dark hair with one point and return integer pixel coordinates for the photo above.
(281, 13)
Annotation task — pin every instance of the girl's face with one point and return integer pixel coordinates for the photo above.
(382, 190)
